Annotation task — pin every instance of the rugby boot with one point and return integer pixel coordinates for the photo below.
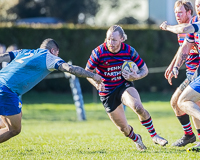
(194, 148)
(159, 140)
(184, 140)
(139, 144)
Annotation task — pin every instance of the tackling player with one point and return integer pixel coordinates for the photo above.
(27, 68)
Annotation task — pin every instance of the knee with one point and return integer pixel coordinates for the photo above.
(173, 102)
(138, 108)
(180, 103)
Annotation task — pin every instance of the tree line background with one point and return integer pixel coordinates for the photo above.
(69, 11)
(77, 39)
(155, 47)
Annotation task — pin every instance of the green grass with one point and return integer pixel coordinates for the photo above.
(50, 130)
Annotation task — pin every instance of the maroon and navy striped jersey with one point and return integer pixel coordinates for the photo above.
(108, 65)
(193, 59)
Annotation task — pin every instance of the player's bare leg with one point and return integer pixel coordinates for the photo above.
(173, 102)
(119, 119)
(131, 98)
(13, 127)
(189, 136)
(196, 121)
(187, 102)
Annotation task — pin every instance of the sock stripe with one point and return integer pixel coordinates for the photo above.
(153, 134)
(199, 135)
(151, 129)
(187, 125)
(148, 124)
(132, 135)
(136, 138)
(187, 129)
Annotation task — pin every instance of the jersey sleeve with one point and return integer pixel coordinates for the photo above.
(93, 60)
(53, 62)
(13, 54)
(136, 58)
(190, 37)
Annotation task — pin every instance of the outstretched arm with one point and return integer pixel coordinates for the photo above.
(181, 28)
(98, 86)
(79, 72)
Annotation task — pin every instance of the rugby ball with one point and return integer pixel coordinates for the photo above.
(130, 64)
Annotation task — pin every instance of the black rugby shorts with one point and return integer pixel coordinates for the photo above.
(113, 100)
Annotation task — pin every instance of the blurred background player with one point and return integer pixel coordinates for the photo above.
(117, 87)
(183, 13)
(188, 100)
(35, 65)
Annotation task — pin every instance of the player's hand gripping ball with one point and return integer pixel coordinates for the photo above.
(130, 64)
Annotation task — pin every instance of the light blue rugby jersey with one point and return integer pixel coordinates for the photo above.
(27, 68)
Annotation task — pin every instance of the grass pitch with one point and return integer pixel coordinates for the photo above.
(50, 130)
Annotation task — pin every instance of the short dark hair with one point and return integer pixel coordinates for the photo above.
(49, 44)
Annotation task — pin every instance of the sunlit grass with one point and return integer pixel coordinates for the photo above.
(52, 131)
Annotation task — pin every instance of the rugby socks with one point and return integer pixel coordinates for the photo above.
(149, 126)
(185, 122)
(198, 131)
(132, 135)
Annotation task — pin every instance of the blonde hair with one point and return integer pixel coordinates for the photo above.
(187, 5)
(49, 44)
(118, 28)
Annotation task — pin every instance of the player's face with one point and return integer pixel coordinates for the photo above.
(181, 15)
(197, 8)
(114, 41)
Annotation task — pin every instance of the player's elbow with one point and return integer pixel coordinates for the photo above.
(187, 29)
(184, 30)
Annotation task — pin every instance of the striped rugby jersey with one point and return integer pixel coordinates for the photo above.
(193, 59)
(108, 65)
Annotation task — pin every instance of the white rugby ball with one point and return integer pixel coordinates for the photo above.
(130, 64)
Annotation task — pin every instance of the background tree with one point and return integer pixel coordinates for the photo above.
(67, 10)
(4, 6)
